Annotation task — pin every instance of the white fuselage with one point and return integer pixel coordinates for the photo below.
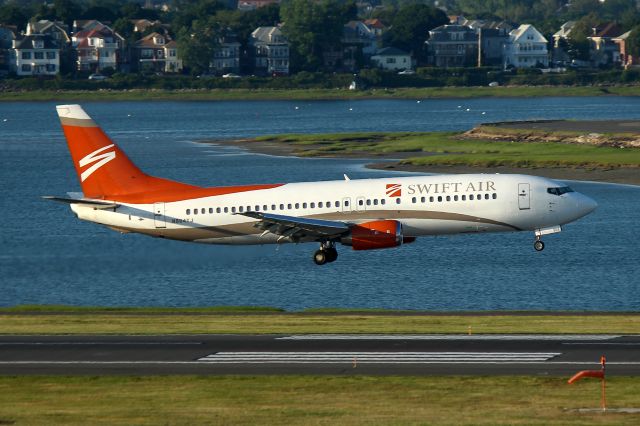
(424, 205)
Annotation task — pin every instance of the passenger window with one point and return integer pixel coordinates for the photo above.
(195, 211)
(281, 206)
(312, 205)
(431, 199)
(495, 196)
(360, 202)
(257, 208)
(471, 197)
(486, 196)
(455, 198)
(188, 211)
(304, 205)
(218, 210)
(423, 199)
(375, 202)
(413, 200)
(448, 197)
(368, 202)
(203, 211)
(273, 207)
(248, 208)
(464, 198)
(288, 206)
(240, 209)
(210, 209)
(233, 209)
(397, 200)
(337, 203)
(226, 209)
(328, 203)
(439, 198)
(346, 203)
(320, 205)
(383, 201)
(297, 205)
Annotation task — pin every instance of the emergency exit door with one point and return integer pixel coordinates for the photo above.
(158, 215)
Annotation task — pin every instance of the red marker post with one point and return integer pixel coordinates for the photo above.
(596, 374)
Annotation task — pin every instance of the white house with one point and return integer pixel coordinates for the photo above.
(98, 47)
(392, 59)
(35, 55)
(526, 48)
(270, 51)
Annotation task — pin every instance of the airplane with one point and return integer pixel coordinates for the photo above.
(365, 214)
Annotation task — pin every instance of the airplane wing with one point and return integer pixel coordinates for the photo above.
(298, 228)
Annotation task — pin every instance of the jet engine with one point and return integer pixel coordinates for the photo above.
(376, 235)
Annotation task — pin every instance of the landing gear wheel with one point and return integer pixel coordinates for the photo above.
(538, 245)
(332, 254)
(320, 257)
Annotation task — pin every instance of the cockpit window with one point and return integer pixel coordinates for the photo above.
(560, 190)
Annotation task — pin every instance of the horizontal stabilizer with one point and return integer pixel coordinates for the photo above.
(98, 204)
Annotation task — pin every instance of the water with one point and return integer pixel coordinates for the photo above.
(49, 257)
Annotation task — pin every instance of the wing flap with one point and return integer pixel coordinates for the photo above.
(298, 228)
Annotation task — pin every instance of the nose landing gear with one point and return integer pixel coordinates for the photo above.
(538, 244)
(326, 254)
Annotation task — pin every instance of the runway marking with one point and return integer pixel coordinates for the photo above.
(551, 337)
(99, 343)
(374, 357)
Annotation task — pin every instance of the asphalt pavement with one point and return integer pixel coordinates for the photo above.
(319, 354)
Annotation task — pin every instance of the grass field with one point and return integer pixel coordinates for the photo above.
(178, 321)
(312, 400)
(450, 150)
(315, 94)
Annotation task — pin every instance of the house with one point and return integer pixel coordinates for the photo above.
(35, 55)
(57, 31)
(7, 35)
(604, 51)
(392, 59)
(626, 59)
(158, 53)
(526, 48)
(269, 50)
(376, 26)
(247, 5)
(491, 42)
(98, 47)
(452, 46)
(559, 53)
(226, 56)
(359, 43)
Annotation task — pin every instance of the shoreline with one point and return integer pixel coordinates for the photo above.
(393, 162)
(314, 94)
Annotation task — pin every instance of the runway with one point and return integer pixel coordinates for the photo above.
(319, 354)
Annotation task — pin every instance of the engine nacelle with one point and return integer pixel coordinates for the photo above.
(375, 235)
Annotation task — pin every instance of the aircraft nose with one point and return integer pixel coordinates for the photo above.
(586, 205)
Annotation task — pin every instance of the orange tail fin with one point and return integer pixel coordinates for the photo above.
(103, 168)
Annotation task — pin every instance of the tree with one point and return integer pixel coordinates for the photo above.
(313, 28)
(579, 43)
(11, 14)
(633, 42)
(66, 10)
(196, 44)
(410, 27)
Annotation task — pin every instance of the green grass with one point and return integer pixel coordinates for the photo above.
(311, 400)
(175, 322)
(451, 150)
(315, 94)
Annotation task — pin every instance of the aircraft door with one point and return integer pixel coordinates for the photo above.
(524, 200)
(158, 215)
(360, 204)
(346, 205)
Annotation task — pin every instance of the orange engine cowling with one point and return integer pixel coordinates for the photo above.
(375, 235)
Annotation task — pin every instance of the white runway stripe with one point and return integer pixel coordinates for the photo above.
(550, 337)
(374, 357)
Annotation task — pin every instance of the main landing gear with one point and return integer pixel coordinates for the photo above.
(538, 244)
(326, 254)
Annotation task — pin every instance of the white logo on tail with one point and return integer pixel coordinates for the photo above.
(101, 159)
